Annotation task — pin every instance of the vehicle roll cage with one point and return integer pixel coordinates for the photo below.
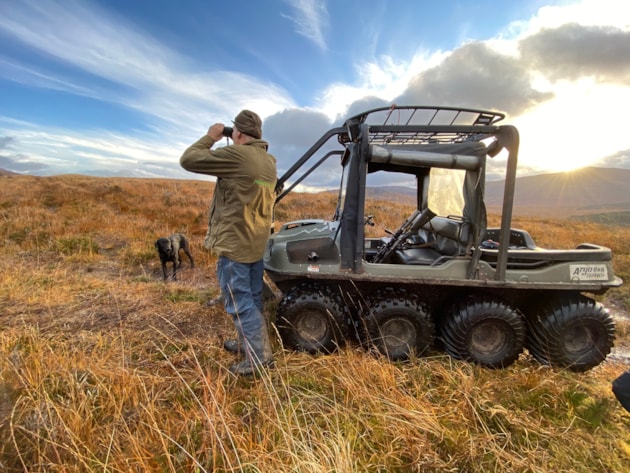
(392, 138)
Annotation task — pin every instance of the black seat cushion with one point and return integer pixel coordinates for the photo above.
(420, 256)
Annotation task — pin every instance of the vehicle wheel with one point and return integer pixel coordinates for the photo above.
(576, 334)
(398, 326)
(312, 319)
(486, 332)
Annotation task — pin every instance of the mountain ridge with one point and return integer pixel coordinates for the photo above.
(586, 191)
(583, 191)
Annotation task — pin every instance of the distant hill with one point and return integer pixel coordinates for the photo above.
(582, 192)
(595, 194)
(397, 193)
(598, 194)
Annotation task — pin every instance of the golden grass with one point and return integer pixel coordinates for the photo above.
(104, 367)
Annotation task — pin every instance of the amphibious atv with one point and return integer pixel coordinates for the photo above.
(483, 293)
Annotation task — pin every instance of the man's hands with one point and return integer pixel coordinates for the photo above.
(216, 131)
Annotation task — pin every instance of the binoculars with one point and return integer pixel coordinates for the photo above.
(227, 131)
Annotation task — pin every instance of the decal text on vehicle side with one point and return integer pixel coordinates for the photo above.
(588, 272)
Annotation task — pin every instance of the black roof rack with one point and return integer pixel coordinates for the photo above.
(414, 124)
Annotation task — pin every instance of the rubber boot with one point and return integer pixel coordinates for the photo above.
(235, 346)
(258, 354)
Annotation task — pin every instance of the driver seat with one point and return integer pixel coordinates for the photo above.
(440, 239)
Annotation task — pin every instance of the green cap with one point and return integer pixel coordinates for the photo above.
(249, 123)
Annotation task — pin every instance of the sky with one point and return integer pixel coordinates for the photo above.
(123, 87)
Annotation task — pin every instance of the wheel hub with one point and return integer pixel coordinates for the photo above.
(488, 339)
(312, 326)
(398, 333)
(578, 339)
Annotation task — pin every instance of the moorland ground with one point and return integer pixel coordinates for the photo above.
(106, 367)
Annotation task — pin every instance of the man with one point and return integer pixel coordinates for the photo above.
(238, 228)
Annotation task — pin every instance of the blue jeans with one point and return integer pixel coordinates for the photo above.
(242, 285)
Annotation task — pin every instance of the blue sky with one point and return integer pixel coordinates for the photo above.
(121, 88)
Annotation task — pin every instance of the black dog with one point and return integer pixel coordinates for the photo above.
(621, 389)
(168, 249)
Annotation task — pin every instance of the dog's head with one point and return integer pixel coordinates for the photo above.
(164, 247)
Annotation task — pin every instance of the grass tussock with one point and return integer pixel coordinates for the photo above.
(105, 402)
(104, 367)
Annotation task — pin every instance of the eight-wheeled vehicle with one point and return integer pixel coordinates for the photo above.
(442, 278)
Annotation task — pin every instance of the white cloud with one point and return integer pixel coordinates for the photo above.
(180, 99)
(587, 13)
(88, 37)
(155, 79)
(310, 18)
(146, 76)
(61, 151)
(614, 13)
(11, 70)
(385, 77)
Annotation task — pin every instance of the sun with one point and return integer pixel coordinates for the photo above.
(580, 126)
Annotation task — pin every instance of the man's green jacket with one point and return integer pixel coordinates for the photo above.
(241, 210)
